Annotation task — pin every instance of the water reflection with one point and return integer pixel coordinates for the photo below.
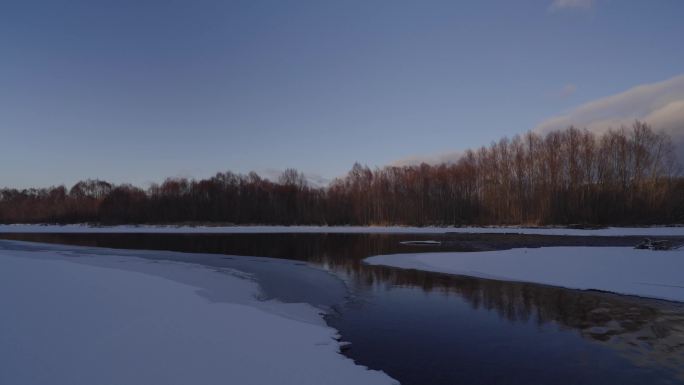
(649, 333)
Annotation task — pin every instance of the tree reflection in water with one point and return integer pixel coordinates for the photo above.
(648, 332)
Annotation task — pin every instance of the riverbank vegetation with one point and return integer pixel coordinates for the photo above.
(624, 176)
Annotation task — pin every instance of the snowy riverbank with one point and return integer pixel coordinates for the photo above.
(83, 228)
(654, 274)
(78, 318)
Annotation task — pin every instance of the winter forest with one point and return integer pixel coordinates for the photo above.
(624, 176)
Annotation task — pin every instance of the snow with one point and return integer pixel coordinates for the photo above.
(83, 228)
(646, 273)
(72, 318)
(418, 243)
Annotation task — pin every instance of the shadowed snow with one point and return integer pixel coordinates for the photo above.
(656, 274)
(78, 318)
(82, 228)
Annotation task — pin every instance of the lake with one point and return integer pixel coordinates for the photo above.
(429, 328)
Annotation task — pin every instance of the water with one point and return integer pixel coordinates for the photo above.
(427, 328)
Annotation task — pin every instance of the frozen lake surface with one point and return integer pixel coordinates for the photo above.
(83, 228)
(71, 317)
(624, 270)
(422, 327)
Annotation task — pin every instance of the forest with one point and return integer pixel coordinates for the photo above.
(572, 176)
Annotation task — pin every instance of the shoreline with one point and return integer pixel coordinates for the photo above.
(617, 270)
(673, 230)
(155, 301)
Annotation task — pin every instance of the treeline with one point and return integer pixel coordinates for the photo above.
(625, 176)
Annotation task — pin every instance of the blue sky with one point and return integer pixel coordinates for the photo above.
(135, 91)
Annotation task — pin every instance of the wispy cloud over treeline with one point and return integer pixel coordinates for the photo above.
(660, 104)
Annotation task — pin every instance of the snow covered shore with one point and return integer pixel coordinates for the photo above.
(74, 318)
(654, 274)
(82, 228)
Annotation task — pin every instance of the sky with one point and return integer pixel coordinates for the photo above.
(137, 91)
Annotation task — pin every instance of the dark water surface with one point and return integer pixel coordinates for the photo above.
(426, 328)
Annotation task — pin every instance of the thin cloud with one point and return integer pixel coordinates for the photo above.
(559, 5)
(567, 91)
(444, 157)
(659, 104)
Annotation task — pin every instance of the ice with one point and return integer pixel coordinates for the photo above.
(646, 273)
(83, 228)
(66, 320)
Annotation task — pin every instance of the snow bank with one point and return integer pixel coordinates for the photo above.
(82, 228)
(66, 320)
(655, 274)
